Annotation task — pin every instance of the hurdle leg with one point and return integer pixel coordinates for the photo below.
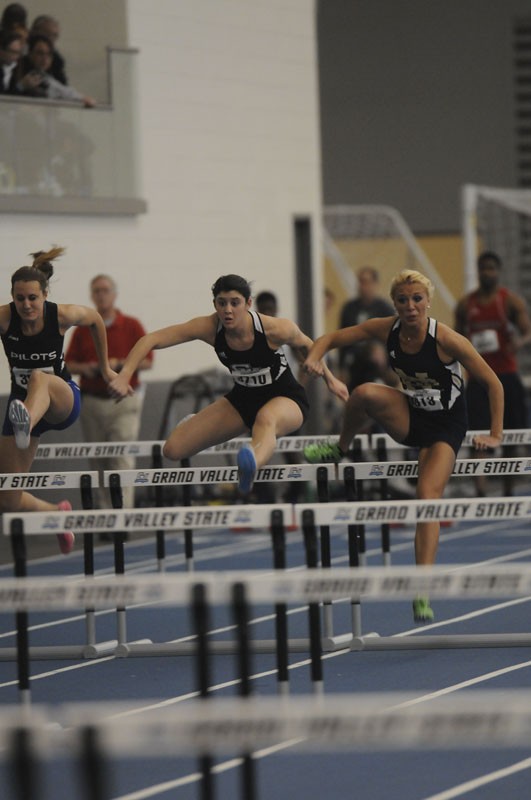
(200, 623)
(156, 460)
(316, 666)
(188, 534)
(94, 779)
(24, 773)
(119, 568)
(326, 556)
(241, 615)
(18, 545)
(281, 617)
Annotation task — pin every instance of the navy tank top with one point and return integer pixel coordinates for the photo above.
(258, 367)
(43, 351)
(429, 383)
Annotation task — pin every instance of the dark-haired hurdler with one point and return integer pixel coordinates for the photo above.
(266, 398)
(43, 396)
(429, 412)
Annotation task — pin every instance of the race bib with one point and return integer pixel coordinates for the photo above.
(428, 399)
(22, 376)
(485, 341)
(251, 377)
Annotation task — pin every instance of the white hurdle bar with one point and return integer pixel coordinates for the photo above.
(93, 734)
(285, 444)
(84, 481)
(366, 721)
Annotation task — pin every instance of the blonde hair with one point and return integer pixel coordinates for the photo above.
(411, 276)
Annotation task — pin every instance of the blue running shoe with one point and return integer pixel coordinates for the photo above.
(246, 468)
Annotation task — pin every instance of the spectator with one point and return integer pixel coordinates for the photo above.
(37, 81)
(11, 49)
(497, 323)
(102, 419)
(15, 20)
(48, 26)
(366, 361)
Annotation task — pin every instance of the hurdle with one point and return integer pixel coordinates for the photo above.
(84, 482)
(412, 511)
(94, 735)
(357, 473)
(272, 517)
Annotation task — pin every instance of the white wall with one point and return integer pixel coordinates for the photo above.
(229, 153)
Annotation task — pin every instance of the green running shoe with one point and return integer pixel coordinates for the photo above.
(422, 611)
(323, 453)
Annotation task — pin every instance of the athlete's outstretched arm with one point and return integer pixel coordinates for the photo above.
(202, 328)
(82, 316)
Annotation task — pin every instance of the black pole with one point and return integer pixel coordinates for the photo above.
(357, 455)
(18, 546)
(93, 773)
(188, 533)
(200, 625)
(24, 774)
(323, 497)
(353, 532)
(278, 537)
(310, 543)
(87, 503)
(119, 536)
(156, 461)
(385, 528)
(241, 617)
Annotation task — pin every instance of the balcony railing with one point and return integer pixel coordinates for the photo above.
(63, 158)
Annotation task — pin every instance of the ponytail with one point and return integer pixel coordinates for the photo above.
(41, 269)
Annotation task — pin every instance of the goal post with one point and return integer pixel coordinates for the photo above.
(498, 219)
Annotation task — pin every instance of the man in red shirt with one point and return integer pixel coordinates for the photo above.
(496, 321)
(102, 418)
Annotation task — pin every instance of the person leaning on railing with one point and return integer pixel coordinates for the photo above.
(36, 79)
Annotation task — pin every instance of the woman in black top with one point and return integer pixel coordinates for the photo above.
(430, 411)
(266, 398)
(43, 396)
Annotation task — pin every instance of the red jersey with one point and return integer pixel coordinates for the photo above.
(490, 330)
(122, 335)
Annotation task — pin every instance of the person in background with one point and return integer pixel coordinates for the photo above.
(429, 412)
(366, 361)
(43, 396)
(11, 49)
(15, 20)
(497, 323)
(102, 419)
(266, 398)
(49, 26)
(38, 81)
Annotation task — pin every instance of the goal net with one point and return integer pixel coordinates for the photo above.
(499, 220)
(378, 236)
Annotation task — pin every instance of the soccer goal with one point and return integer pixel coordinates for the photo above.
(499, 220)
(377, 236)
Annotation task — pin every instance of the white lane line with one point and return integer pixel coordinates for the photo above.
(224, 766)
(484, 780)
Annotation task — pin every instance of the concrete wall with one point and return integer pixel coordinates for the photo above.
(229, 153)
(416, 100)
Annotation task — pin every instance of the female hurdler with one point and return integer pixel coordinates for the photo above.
(429, 412)
(266, 398)
(43, 397)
